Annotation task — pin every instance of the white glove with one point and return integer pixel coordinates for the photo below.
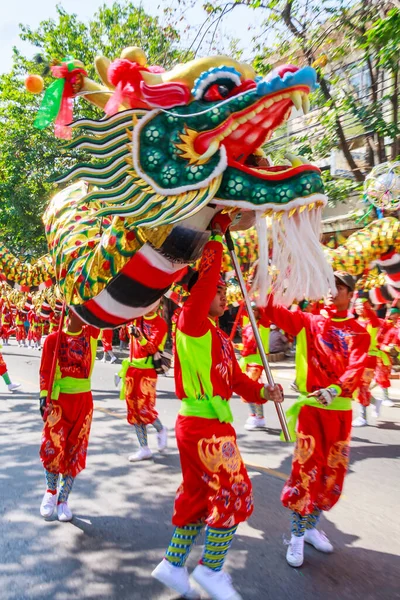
(325, 395)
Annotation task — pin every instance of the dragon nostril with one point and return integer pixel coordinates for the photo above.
(281, 71)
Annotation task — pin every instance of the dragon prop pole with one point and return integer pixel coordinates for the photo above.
(279, 410)
(54, 364)
(236, 323)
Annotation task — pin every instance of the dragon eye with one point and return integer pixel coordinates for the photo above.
(216, 84)
(216, 92)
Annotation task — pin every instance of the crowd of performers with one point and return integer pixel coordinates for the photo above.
(337, 357)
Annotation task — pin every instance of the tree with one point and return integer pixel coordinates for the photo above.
(29, 158)
(357, 39)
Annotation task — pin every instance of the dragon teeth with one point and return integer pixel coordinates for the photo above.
(296, 99)
(306, 104)
(211, 150)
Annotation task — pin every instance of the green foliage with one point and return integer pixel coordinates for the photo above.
(358, 100)
(30, 158)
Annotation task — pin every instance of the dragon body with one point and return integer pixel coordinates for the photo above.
(183, 145)
(373, 255)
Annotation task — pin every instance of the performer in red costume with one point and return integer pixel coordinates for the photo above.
(20, 334)
(331, 352)
(251, 362)
(67, 411)
(376, 357)
(389, 342)
(106, 340)
(6, 324)
(216, 490)
(139, 381)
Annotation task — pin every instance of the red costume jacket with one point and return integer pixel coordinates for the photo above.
(331, 348)
(155, 331)
(205, 362)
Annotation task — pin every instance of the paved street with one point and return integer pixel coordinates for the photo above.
(122, 511)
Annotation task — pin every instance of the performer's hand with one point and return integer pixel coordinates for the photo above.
(43, 407)
(135, 331)
(274, 392)
(324, 396)
(221, 221)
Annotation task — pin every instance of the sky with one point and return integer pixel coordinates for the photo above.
(31, 12)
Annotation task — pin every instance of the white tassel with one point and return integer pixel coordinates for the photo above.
(262, 278)
(301, 270)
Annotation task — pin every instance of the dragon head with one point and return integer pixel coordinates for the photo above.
(180, 144)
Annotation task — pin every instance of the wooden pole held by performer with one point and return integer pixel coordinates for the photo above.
(268, 372)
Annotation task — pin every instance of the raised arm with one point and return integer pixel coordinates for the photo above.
(193, 317)
(291, 322)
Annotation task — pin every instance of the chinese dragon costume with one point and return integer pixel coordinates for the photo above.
(177, 147)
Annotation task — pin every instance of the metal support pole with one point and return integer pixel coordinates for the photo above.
(278, 406)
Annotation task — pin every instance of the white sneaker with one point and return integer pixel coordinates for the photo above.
(103, 360)
(162, 439)
(144, 453)
(113, 359)
(359, 422)
(13, 386)
(376, 409)
(217, 584)
(318, 539)
(388, 403)
(253, 422)
(117, 379)
(176, 578)
(64, 513)
(295, 551)
(48, 505)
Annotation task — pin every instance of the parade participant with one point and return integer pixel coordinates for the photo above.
(368, 319)
(139, 380)
(6, 377)
(106, 340)
(54, 322)
(6, 324)
(389, 341)
(251, 362)
(35, 330)
(216, 490)
(330, 359)
(123, 337)
(66, 410)
(20, 335)
(278, 342)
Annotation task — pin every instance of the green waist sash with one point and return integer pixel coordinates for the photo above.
(292, 414)
(213, 408)
(70, 385)
(139, 363)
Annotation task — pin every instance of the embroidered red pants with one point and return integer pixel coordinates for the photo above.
(382, 373)
(106, 340)
(20, 333)
(364, 395)
(320, 460)
(140, 396)
(216, 488)
(65, 436)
